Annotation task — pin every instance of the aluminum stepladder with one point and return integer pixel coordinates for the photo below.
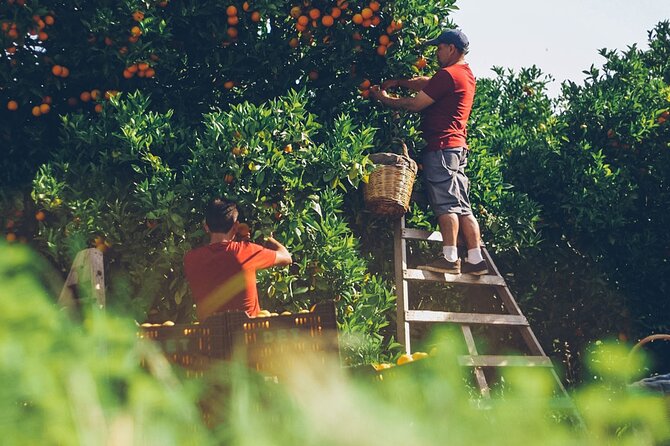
(513, 317)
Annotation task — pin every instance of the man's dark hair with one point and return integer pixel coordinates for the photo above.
(221, 215)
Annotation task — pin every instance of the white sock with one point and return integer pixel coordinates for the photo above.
(474, 256)
(450, 253)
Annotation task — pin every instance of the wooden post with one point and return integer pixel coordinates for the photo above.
(87, 271)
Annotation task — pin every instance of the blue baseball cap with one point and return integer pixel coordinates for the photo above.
(454, 37)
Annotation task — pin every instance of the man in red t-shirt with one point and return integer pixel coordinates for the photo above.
(222, 274)
(445, 101)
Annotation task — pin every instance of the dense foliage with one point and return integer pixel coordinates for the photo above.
(119, 119)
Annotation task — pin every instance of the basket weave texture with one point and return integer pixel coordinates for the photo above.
(389, 188)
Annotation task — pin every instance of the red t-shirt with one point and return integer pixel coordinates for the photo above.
(222, 276)
(444, 122)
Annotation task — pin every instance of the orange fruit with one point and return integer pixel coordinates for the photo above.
(36, 111)
(303, 20)
(313, 75)
(143, 66)
(49, 20)
(421, 63)
(72, 101)
(45, 108)
(376, 20)
(404, 359)
(12, 105)
(141, 74)
(365, 84)
(85, 96)
(138, 16)
(228, 85)
(228, 178)
(95, 94)
(293, 43)
(40, 216)
(300, 28)
(367, 23)
(10, 237)
(357, 36)
(150, 72)
(314, 13)
(123, 50)
(256, 16)
(357, 19)
(132, 68)
(233, 20)
(374, 6)
(133, 39)
(42, 36)
(98, 108)
(336, 12)
(127, 74)
(328, 21)
(367, 13)
(11, 50)
(381, 50)
(288, 148)
(135, 31)
(57, 70)
(296, 11)
(342, 4)
(232, 32)
(384, 40)
(65, 72)
(231, 10)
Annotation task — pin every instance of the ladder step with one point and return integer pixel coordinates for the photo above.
(504, 361)
(420, 234)
(464, 318)
(470, 279)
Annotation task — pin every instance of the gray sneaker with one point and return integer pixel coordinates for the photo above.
(442, 265)
(478, 269)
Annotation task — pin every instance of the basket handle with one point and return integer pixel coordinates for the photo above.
(648, 339)
(405, 152)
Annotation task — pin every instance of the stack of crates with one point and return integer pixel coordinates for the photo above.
(267, 344)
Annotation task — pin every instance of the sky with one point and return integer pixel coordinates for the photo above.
(561, 37)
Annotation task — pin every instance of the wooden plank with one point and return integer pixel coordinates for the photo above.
(469, 279)
(87, 271)
(479, 372)
(504, 361)
(464, 318)
(419, 234)
(402, 288)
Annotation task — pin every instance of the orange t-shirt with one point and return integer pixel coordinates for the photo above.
(222, 276)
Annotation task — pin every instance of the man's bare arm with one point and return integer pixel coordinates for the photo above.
(414, 103)
(283, 256)
(415, 84)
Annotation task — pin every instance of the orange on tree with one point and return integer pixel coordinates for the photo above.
(232, 32)
(367, 13)
(328, 21)
(228, 178)
(42, 36)
(12, 105)
(36, 111)
(303, 20)
(228, 85)
(296, 11)
(381, 50)
(231, 10)
(357, 36)
(313, 75)
(233, 20)
(142, 66)
(95, 94)
(47, 100)
(376, 20)
(85, 96)
(45, 108)
(367, 23)
(49, 20)
(357, 19)
(365, 93)
(404, 359)
(57, 70)
(40, 216)
(293, 43)
(336, 12)
(128, 74)
(98, 108)
(421, 62)
(256, 16)
(365, 84)
(136, 31)
(374, 5)
(245, 6)
(10, 237)
(65, 72)
(314, 13)
(288, 148)
(138, 16)
(384, 40)
(150, 72)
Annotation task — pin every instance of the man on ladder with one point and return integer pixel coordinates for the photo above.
(445, 101)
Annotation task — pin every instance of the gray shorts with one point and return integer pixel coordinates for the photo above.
(446, 184)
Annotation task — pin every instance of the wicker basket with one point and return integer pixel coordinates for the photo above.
(390, 186)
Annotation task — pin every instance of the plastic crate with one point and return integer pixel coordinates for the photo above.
(265, 343)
